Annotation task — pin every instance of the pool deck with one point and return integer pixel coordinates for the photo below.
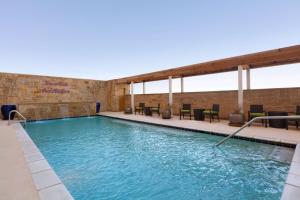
(256, 132)
(24, 172)
(15, 181)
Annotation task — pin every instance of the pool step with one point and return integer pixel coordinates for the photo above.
(282, 154)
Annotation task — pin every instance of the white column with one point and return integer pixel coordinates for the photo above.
(144, 87)
(248, 79)
(182, 86)
(132, 96)
(170, 92)
(240, 89)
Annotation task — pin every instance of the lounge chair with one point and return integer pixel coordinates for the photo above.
(214, 111)
(156, 109)
(139, 108)
(185, 110)
(257, 111)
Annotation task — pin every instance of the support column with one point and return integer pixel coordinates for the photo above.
(248, 79)
(144, 87)
(182, 86)
(240, 89)
(132, 96)
(170, 93)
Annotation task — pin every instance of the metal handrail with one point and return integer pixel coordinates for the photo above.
(15, 111)
(254, 119)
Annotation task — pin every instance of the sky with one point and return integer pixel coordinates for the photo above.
(110, 39)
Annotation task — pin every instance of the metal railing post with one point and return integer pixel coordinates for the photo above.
(15, 111)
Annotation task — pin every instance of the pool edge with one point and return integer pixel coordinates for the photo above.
(278, 143)
(47, 183)
(291, 190)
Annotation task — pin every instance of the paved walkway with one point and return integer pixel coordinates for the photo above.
(15, 178)
(291, 136)
(24, 172)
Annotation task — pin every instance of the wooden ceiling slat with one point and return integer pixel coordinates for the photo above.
(287, 55)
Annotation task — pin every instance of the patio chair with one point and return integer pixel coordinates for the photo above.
(257, 111)
(156, 109)
(139, 108)
(214, 111)
(185, 110)
(297, 121)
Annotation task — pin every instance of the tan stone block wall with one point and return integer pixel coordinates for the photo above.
(282, 99)
(42, 97)
(116, 95)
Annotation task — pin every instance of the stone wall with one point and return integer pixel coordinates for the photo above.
(283, 99)
(42, 97)
(116, 95)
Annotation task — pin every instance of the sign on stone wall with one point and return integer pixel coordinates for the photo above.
(54, 87)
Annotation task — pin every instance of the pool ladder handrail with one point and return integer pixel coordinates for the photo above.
(253, 120)
(15, 111)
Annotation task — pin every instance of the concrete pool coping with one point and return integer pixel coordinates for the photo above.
(47, 184)
(281, 137)
(291, 190)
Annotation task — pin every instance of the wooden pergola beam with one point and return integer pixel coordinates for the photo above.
(282, 56)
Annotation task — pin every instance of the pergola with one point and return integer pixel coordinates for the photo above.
(282, 56)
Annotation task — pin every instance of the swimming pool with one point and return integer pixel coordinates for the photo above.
(104, 158)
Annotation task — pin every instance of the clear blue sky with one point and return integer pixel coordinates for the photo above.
(110, 39)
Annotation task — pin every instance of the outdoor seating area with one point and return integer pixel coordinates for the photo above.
(186, 112)
(258, 111)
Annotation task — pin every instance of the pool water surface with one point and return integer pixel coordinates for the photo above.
(104, 158)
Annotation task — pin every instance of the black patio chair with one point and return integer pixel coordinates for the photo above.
(257, 111)
(156, 109)
(296, 121)
(139, 108)
(214, 111)
(185, 110)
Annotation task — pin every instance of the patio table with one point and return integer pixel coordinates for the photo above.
(198, 114)
(147, 111)
(278, 123)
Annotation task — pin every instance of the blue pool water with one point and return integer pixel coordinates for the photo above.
(103, 158)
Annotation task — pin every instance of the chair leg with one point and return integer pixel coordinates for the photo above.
(210, 116)
(190, 116)
(266, 123)
(218, 118)
(249, 119)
